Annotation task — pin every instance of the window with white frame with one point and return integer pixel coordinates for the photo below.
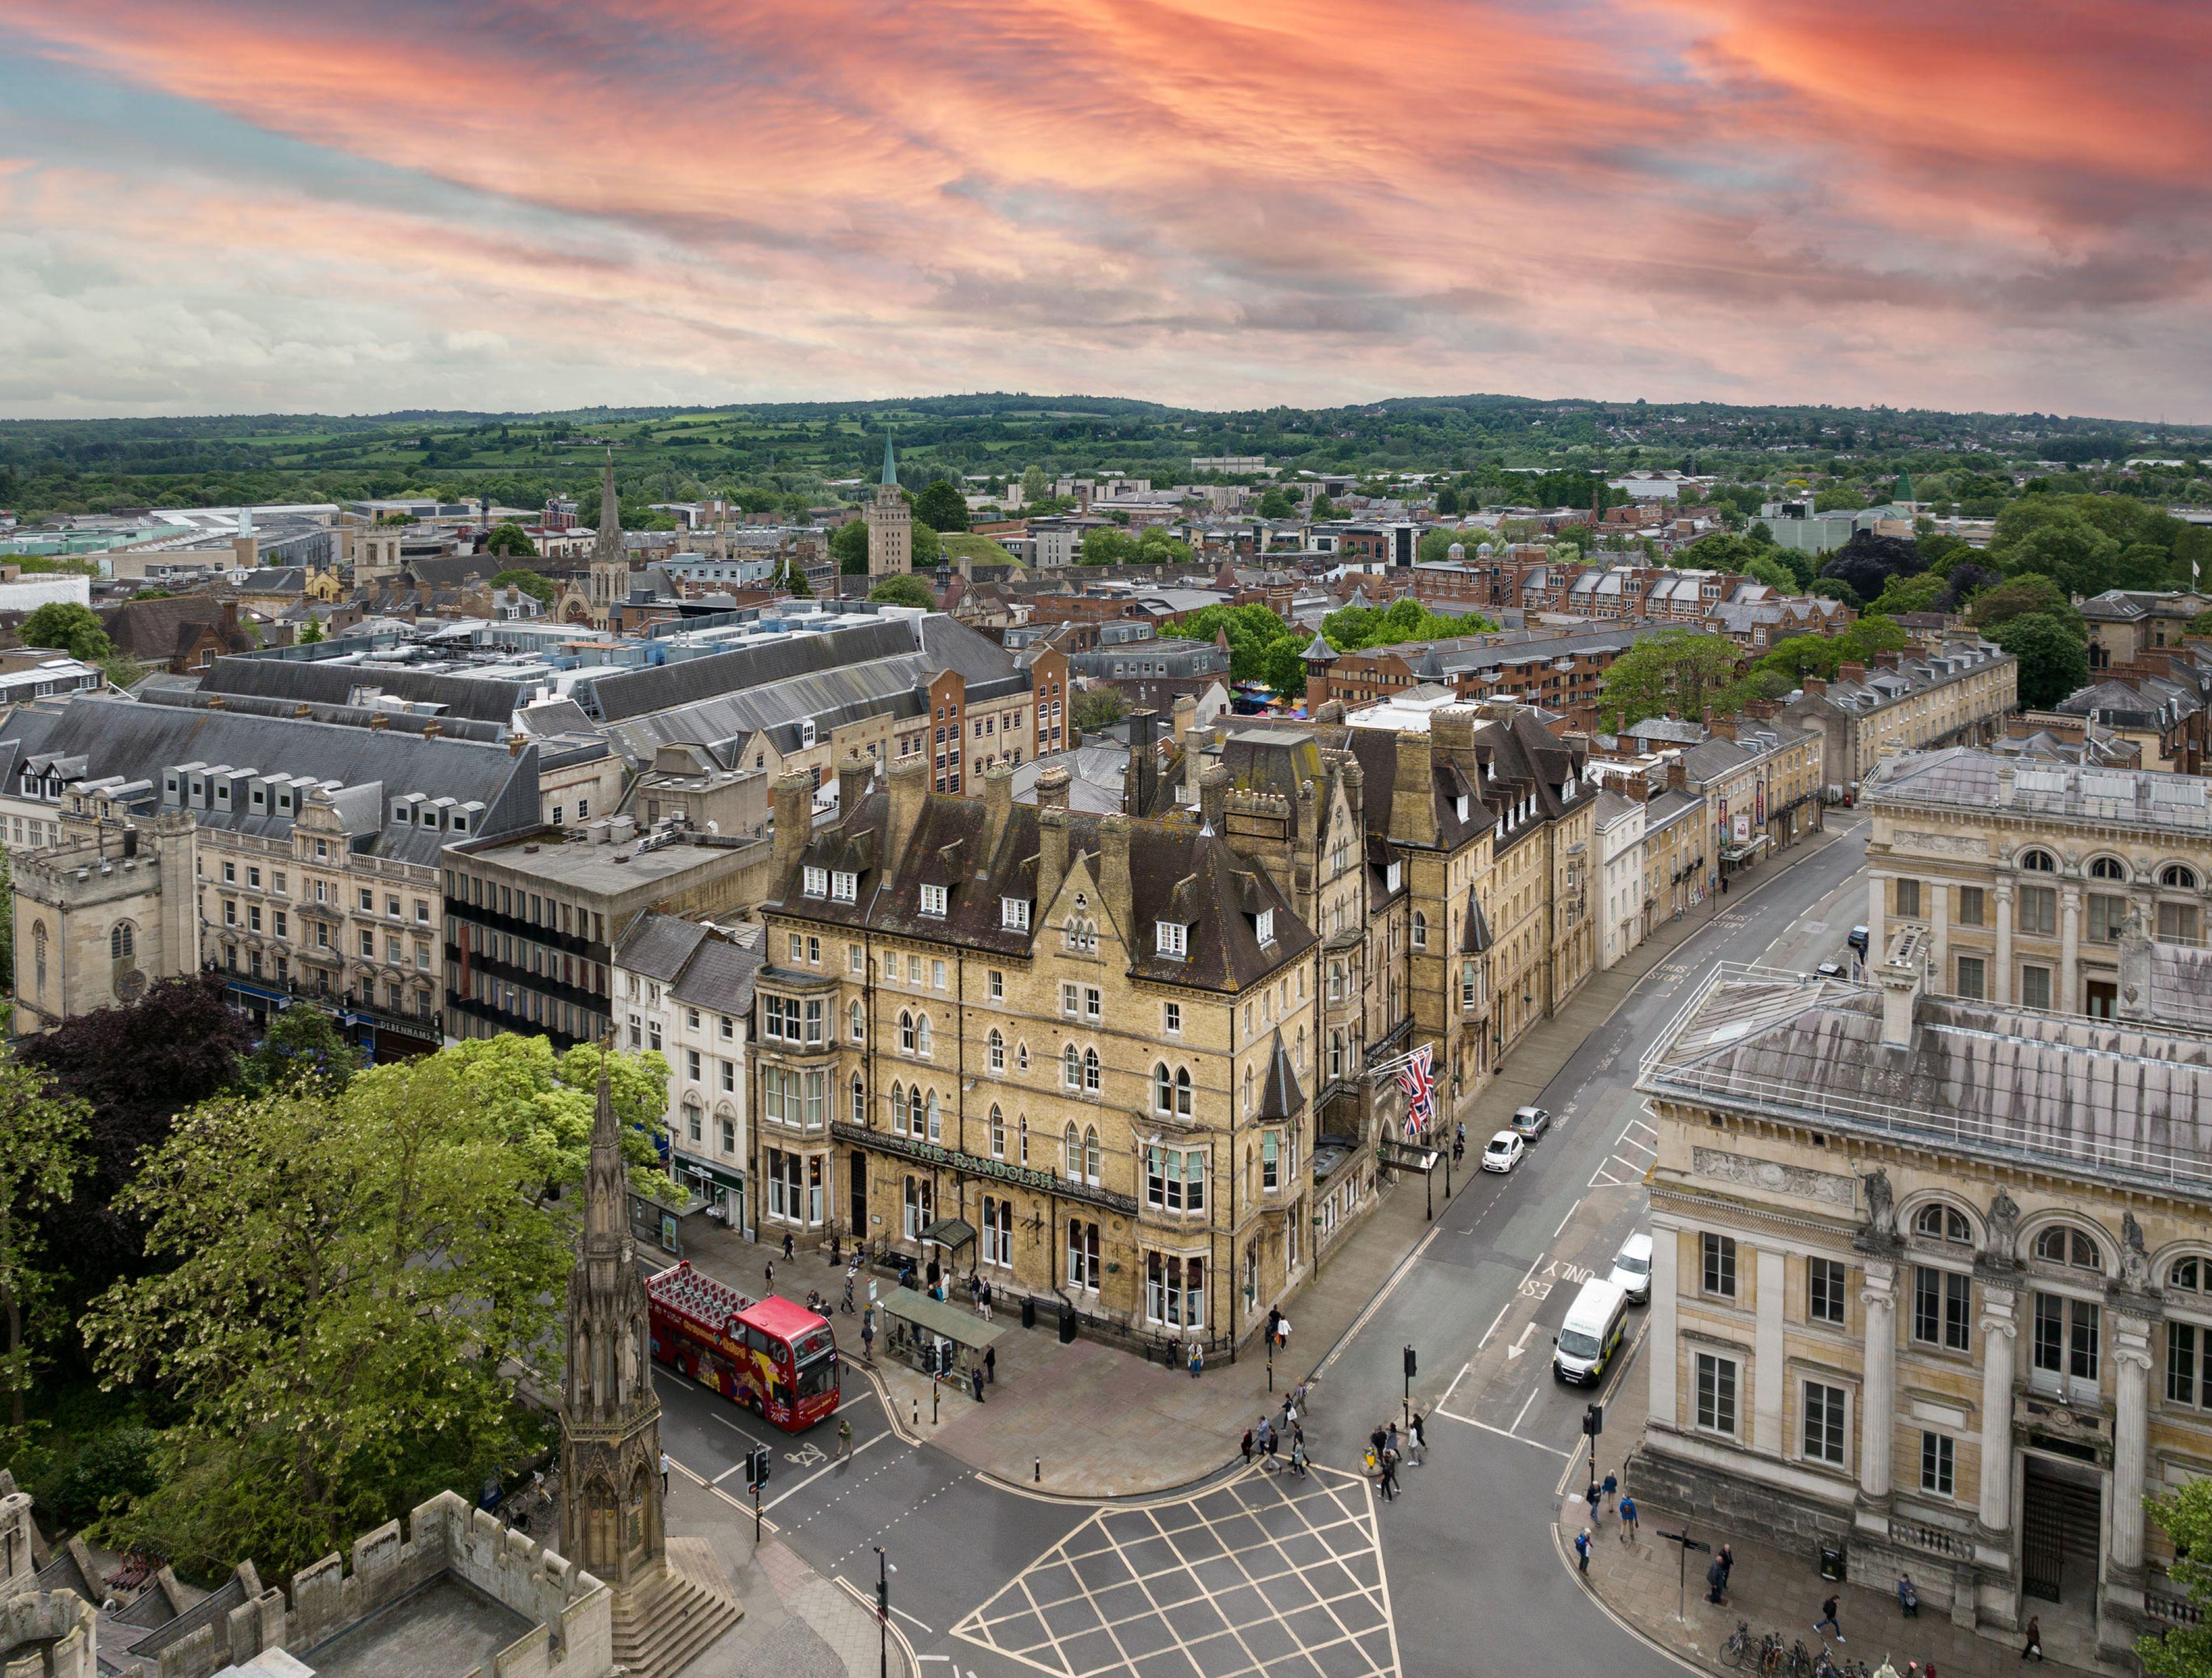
(1172, 1019)
(1171, 938)
(1014, 914)
(844, 885)
(1263, 927)
(1715, 1393)
(1175, 1179)
(996, 1042)
(933, 901)
(816, 882)
(1175, 1290)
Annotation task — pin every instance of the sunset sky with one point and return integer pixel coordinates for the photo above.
(244, 205)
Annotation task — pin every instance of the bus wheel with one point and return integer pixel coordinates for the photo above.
(682, 1373)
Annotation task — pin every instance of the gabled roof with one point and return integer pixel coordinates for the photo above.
(658, 945)
(1282, 1098)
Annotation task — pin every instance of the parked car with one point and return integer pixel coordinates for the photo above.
(1858, 940)
(1504, 1152)
(1530, 1122)
(1631, 1268)
(1591, 1334)
(1830, 969)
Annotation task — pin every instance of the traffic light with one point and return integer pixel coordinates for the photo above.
(756, 1468)
(1593, 1420)
(1410, 1370)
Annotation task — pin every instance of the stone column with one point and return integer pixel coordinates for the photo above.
(2069, 999)
(2131, 1428)
(1999, 1329)
(1766, 1356)
(1878, 1391)
(1877, 907)
(1666, 1252)
(2001, 986)
(1939, 934)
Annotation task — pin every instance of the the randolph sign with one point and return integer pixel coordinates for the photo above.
(973, 1164)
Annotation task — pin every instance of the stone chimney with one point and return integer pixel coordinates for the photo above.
(1113, 872)
(1721, 728)
(1213, 797)
(2004, 785)
(1052, 834)
(1142, 774)
(1901, 977)
(793, 797)
(1813, 685)
(1760, 710)
(515, 744)
(1412, 793)
(910, 779)
(1850, 673)
(998, 809)
(1678, 775)
(1886, 659)
(1182, 718)
(854, 775)
(1453, 728)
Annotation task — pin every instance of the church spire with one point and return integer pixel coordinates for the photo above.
(608, 548)
(891, 465)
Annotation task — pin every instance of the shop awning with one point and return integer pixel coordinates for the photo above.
(949, 1233)
(947, 1322)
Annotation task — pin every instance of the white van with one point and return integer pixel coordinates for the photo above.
(1584, 1349)
(1631, 1268)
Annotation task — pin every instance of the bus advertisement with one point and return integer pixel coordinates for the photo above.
(778, 1359)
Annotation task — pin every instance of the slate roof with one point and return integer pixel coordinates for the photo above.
(658, 945)
(1963, 778)
(719, 975)
(2093, 1097)
(1176, 873)
(1282, 1098)
(168, 628)
(334, 680)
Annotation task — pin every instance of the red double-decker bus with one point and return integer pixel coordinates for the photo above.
(777, 1359)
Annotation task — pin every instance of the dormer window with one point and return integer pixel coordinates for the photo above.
(1171, 938)
(458, 822)
(933, 901)
(1014, 914)
(1263, 926)
(1459, 806)
(816, 882)
(1390, 876)
(844, 885)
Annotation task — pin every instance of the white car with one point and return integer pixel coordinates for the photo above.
(1504, 1152)
(1631, 1268)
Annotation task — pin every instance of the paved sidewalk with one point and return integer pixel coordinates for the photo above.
(1091, 1421)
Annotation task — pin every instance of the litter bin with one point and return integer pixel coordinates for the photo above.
(1029, 1311)
(1831, 1561)
(1068, 1325)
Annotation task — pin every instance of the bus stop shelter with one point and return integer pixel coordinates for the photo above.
(932, 1335)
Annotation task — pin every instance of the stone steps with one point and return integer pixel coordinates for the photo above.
(665, 1622)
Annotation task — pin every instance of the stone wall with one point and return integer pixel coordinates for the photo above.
(47, 1635)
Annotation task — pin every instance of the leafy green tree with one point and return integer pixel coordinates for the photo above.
(2185, 1651)
(1323, 509)
(1097, 708)
(1447, 501)
(907, 590)
(1918, 593)
(1838, 499)
(1676, 669)
(1255, 637)
(301, 1045)
(311, 632)
(1274, 504)
(1354, 628)
(1435, 545)
(2054, 661)
(535, 584)
(2071, 552)
(1107, 546)
(2022, 596)
(1769, 569)
(1036, 486)
(849, 546)
(67, 627)
(1835, 588)
(508, 540)
(941, 506)
(1156, 547)
(42, 1157)
(793, 580)
(543, 1104)
(927, 549)
(352, 1288)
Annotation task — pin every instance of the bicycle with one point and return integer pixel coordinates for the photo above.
(1738, 1646)
(1771, 1656)
(1800, 1664)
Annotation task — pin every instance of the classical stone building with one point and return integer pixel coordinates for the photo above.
(1932, 1279)
(1070, 1051)
(1906, 702)
(2028, 878)
(891, 524)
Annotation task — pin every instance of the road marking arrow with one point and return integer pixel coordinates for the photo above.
(1520, 1345)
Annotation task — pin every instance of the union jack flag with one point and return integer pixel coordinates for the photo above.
(1416, 1078)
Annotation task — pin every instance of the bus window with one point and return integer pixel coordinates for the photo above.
(817, 1377)
(757, 1342)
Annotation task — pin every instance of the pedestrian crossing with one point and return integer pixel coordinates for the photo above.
(1264, 1574)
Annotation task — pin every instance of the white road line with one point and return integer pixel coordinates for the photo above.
(734, 1467)
(903, 1615)
(1571, 1210)
(1522, 1344)
(1524, 1410)
(1492, 1328)
(873, 1439)
(1405, 1269)
(1537, 1444)
(1463, 1369)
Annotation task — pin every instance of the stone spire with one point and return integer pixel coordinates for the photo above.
(608, 548)
(611, 1512)
(891, 465)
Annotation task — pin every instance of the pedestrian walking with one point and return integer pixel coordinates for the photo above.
(1374, 1442)
(844, 1436)
(1282, 1334)
(846, 1304)
(1908, 1596)
(1299, 1456)
(789, 1244)
(664, 1473)
(1391, 1475)
(771, 1277)
(1390, 1440)
(1197, 1359)
(1274, 1444)
(1716, 1581)
(1612, 1489)
(1417, 1438)
(1260, 1435)
(986, 1302)
(991, 1365)
(2035, 1639)
(976, 1378)
(1591, 1497)
(1247, 1447)
(1627, 1517)
(868, 1337)
(1300, 1397)
(1828, 1619)
(1728, 1564)
(1274, 1319)
(1582, 1549)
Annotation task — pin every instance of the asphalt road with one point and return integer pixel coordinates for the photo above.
(1264, 1574)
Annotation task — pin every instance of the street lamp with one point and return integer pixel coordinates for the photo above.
(884, 1571)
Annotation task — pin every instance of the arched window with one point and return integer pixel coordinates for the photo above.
(1247, 1093)
(1163, 1089)
(1943, 1223)
(922, 1036)
(1021, 1057)
(1336, 1054)
(1420, 930)
(1183, 1092)
(898, 1107)
(123, 941)
(906, 1032)
(2176, 877)
(1022, 1129)
(39, 957)
(997, 1048)
(856, 1020)
(1070, 1154)
(695, 1123)
(860, 1102)
(1090, 1079)
(1336, 982)
(1071, 1066)
(2189, 1275)
(933, 1118)
(997, 1133)
(914, 1111)
(2038, 862)
(2062, 1243)
(1301, 1061)
(2107, 867)
(1091, 1159)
